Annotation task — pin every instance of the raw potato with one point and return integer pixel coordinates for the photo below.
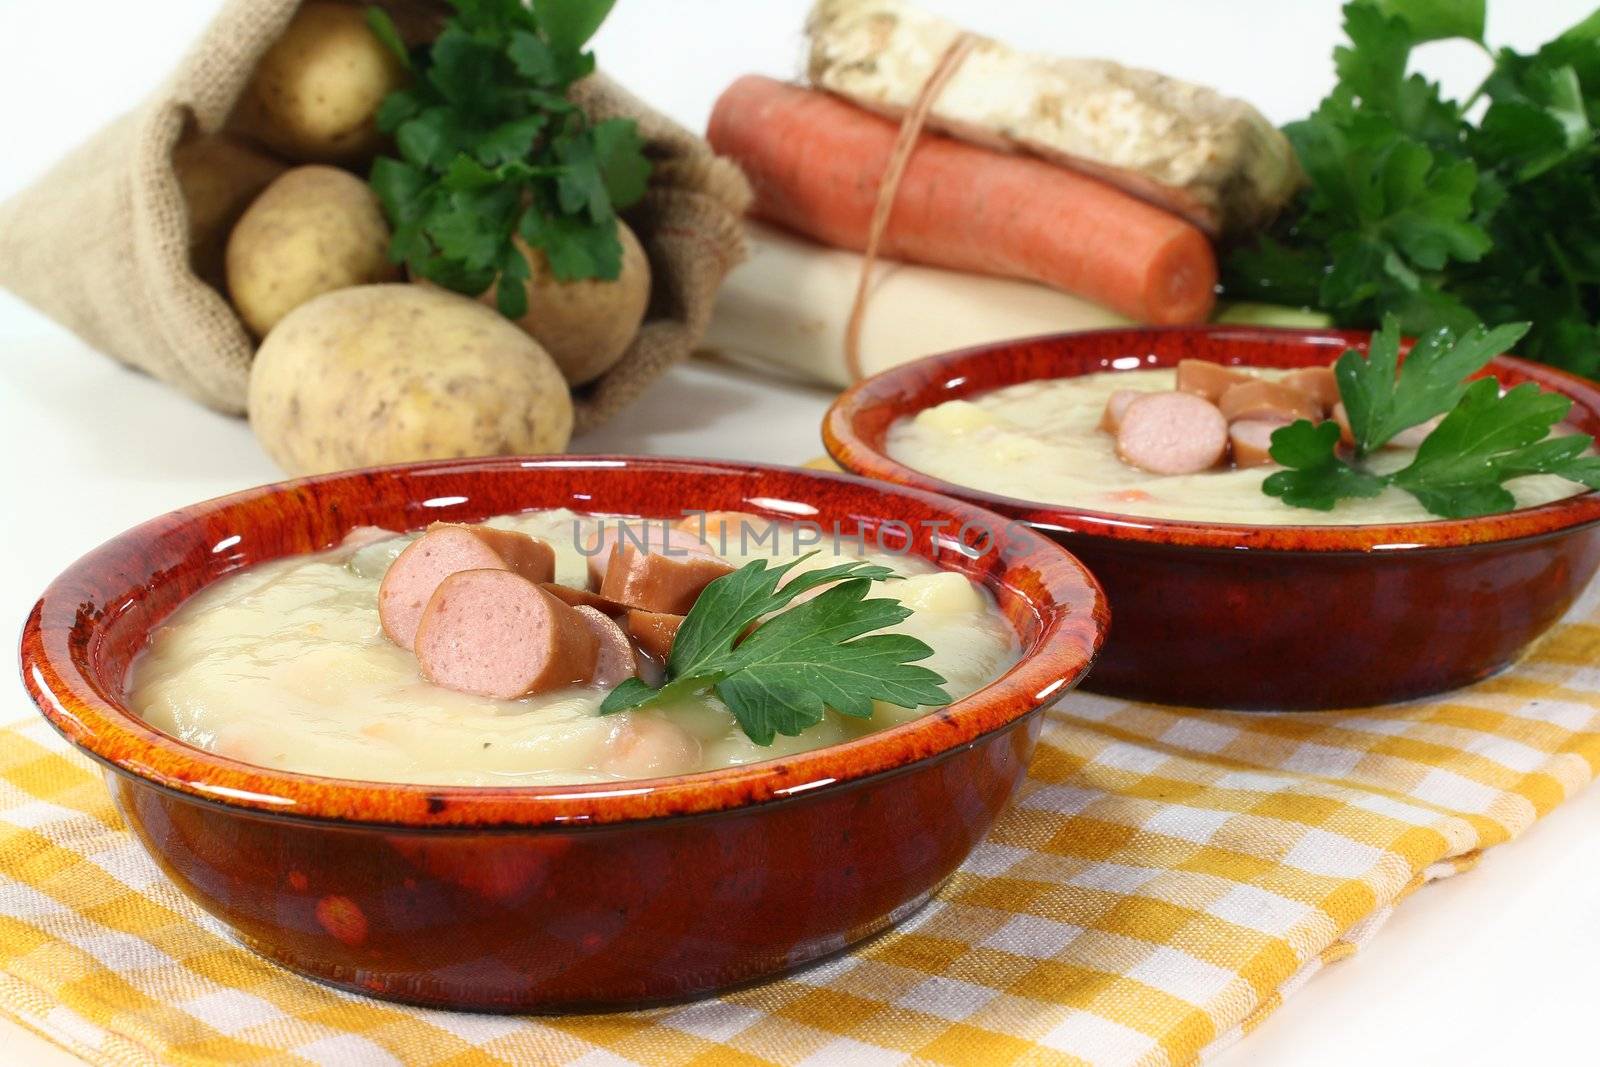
(313, 230)
(390, 373)
(586, 326)
(219, 176)
(315, 92)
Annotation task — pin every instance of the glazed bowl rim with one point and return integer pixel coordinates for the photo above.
(95, 720)
(852, 450)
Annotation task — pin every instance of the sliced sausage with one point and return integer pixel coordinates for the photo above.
(657, 582)
(1251, 441)
(651, 673)
(445, 549)
(643, 746)
(656, 535)
(523, 555)
(724, 529)
(1204, 378)
(654, 631)
(1413, 436)
(1267, 400)
(1319, 383)
(1117, 406)
(1172, 433)
(615, 658)
(583, 598)
(493, 633)
(1339, 415)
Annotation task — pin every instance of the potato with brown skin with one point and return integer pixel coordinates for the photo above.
(313, 230)
(391, 373)
(219, 177)
(585, 325)
(315, 92)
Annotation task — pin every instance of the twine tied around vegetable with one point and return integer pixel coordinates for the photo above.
(910, 130)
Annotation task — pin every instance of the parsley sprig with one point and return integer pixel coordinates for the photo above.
(1443, 212)
(1485, 439)
(490, 147)
(782, 676)
(1382, 400)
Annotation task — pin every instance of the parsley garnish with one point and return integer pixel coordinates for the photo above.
(1316, 477)
(490, 146)
(1486, 439)
(1382, 402)
(1442, 212)
(1491, 438)
(819, 654)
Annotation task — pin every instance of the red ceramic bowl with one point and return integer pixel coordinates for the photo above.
(556, 897)
(1247, 617)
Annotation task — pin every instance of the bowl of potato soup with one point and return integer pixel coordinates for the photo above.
(1145, 452)
(533, 734)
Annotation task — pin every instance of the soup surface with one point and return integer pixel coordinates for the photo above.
(284, 665)
(1040, 441)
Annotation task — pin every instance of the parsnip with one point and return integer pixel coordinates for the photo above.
(1213, 159)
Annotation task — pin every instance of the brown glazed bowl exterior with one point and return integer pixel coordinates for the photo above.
(1264, 617)
(549, 898)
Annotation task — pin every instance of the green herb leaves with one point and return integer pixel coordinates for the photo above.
(1486, 439)
(1489, 439)
(822, 653)
(1380, 403)
(813, 655)
(1434, 20)
(491, 148)
(1315, 476)
(1413, 210)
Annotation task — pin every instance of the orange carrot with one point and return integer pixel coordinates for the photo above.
(815, 162)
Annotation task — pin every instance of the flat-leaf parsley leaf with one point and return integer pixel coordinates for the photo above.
(490, 147)
(1485, 439)
(1445, 212)
(782, 675)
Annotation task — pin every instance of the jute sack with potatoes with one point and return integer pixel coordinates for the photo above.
(102, 243)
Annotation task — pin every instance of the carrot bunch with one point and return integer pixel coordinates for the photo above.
(816, 163)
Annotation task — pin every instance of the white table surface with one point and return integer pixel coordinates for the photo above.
(1491, 967)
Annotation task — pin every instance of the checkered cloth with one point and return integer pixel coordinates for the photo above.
(1163, 882)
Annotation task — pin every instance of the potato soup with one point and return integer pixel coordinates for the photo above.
(285, 665)
(1041, 441)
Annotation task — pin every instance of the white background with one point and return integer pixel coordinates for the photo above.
(1492, 967)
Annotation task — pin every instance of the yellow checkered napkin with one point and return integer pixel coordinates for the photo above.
(1163, 882)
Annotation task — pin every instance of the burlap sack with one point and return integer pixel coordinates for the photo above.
(101, 242)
